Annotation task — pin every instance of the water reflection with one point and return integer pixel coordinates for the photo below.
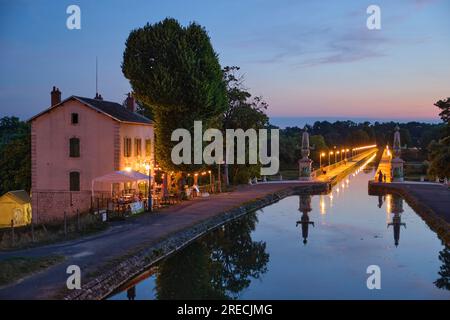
(219, 266)
(380, 201)
(396, 207)
(225, 263)
(444, 271)
(305, 207)
(323, 208)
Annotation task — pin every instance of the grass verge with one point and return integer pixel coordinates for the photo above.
(16, 268)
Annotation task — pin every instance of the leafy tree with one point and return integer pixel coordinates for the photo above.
(11, 128)
(290, 141)
(359, 137)
(439, 158)
(318, 145)
(439, 151)
(175, 70)
(444, 106)
(243, 112)
(15, 155)
(317, 142)
(405, 137)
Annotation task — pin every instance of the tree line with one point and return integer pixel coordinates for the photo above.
(326, 136)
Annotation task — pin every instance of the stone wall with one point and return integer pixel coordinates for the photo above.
(49, 206)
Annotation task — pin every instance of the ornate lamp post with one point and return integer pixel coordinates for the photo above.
(397, 162)
(304, 163)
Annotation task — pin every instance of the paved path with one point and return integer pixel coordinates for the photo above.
(385, 165)
(92, 252)
(334, 172)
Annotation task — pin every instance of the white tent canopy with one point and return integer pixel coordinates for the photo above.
(120, 177)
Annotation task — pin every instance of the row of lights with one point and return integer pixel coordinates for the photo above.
(202, 173)
(343, 153)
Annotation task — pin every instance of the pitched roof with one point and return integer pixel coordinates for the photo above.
(109, 108)
(20, 196)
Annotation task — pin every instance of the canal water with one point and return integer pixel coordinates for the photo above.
(309, 247)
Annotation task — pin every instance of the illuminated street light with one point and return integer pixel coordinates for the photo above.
(329, 154)
(210, 182)
(320, 159)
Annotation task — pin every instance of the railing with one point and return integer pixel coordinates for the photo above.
(318, 172)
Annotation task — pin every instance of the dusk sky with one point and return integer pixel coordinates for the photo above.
(306, 58)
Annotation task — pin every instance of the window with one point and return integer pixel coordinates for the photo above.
(74, 181)
(127, 147)
(137, 147)
(74, 147)
(74, 119)
(148, 147)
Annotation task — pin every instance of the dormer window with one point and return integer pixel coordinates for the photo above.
(74, 118)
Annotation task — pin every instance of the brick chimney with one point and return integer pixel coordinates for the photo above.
(55, 96)
(129, 103)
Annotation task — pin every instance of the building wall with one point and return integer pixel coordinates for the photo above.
(134, 131)
(51, 163)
